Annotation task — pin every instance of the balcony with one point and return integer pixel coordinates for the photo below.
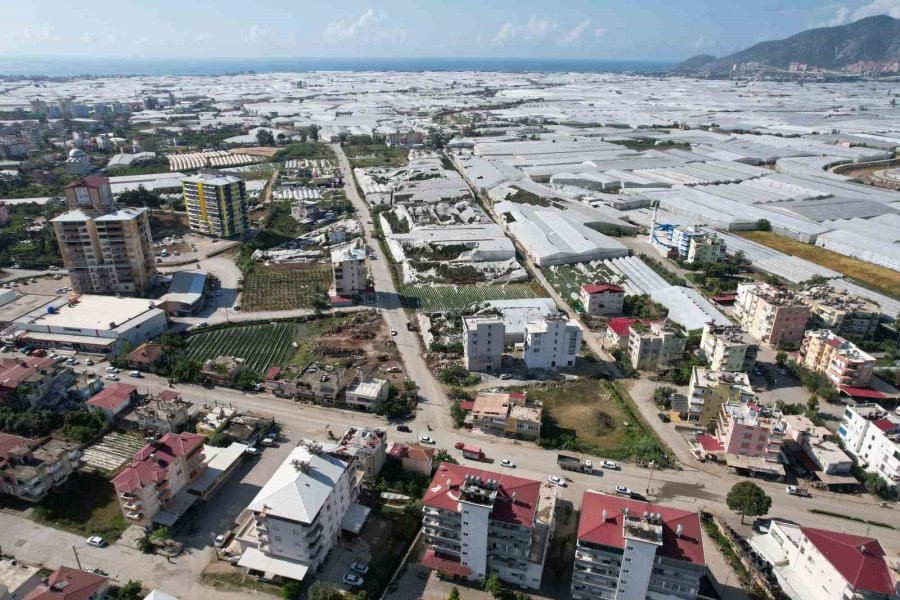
(134, 516)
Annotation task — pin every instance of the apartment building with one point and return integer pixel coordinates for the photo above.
(348, 266)
(164, 413)
(509, 415)
(33, 380)
(618, 330)
(841, 312)
(771, 314)
(709, 249)
(710, 389)
(297, 516)
(751, 436)
(107, 254)
(816, 564)
(631, 550)
(152, 488)
(483, 342)
(727, 348)
(90, 194)
(551, 341)
(216, 204)
(872, 436)
(31, 468)
(658, 345)
(602, 299)
(845, 365)
(366, 448)
(477, 523)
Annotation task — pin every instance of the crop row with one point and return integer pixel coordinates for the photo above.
(260, 345)
(460, 297)
(270, 289)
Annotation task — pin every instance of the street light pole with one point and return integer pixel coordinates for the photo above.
(77, 560)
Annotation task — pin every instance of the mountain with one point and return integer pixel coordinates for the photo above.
(695, 63)
(873, 38)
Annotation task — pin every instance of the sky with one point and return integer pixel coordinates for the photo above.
(593, 29)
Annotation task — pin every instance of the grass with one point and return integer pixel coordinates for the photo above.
(308, 150)
(262, 345)
(461, 297)
(376, 155)
(849, 518)
(309, 334)
(271, 288)
(872, 276)
(86, 505)
(568, 279)
(237, 581)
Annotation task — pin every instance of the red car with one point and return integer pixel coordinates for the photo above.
(39, 352)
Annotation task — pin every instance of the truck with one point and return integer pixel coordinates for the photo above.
(470, 452)
(573, 463)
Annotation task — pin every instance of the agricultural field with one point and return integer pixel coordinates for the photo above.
(262, 345)
(461, 297)
(568, 279)
(276, 288)
(375, 155)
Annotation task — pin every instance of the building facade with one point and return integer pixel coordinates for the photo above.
(348, 266)
(727, 348)
(602, 299)
(840, 312)
(34, 380)
(658, 345)
(216, 204)
(29, 469)
(753, 431)
(483, 337)
(90, 194)
(631, 550)
(845, 365)
(477, 523)
(365, 392)
(708, 249)
(710, 389)
(551, 342)
(770, 314)
(872, 436)
(509, 415)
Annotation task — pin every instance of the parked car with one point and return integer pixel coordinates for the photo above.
(557, 480)
(97, 541)
(111, 369)
(269, 440)
(88, 362)
(507, 463)
(426, 440)
(251, 451)
(360, 568)
(664, 417)
(135, 374)
(112, 377)
(794, 490)
(609, 464)
(72, 361)
(354, 580)
(623, 491)
(220, 540)
(393, 332)
(404, 428)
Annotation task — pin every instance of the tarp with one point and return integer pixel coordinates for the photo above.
(355, 518)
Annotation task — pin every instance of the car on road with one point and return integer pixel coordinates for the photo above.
(394, 369)
(72, 361)
(404, 428)
(426, 440)
(623, 491)
(88, 362)
(393, 332)
(609, 464)
(664, 417)
(557, 480)
(251, 451)
(505, 376)
(112, 377)
(794, 490)
(111, 369)
(220, 540)
(360, 568)
(269, 440)
(97, 541)
(135, 374)
(507, 463)
(354, 580)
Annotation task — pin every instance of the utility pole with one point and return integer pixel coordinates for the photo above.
(77, 560)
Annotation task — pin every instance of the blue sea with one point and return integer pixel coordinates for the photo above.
(68, 66)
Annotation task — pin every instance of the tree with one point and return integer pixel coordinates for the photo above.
(320, 590)
(247, 380)
(314, 133)
(132, 590)
(442, 455)
(781, 358)
(160, 535)
(264, 137)
(812, 406)
(220, 440)
(493, 586)
(748, 499)
(454, 594)
(291, 589)
(763, 225)
(187, 370)
(457, 414)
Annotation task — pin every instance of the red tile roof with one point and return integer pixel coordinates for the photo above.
(168, 395)
(92, 181)
(272, 373)
(862, 392)
(599, 288)
(620, 325)
(860, 560)
(112, 396)
(144, 469)
(445, 565)
(885, 425)
(10, 442)
(592, 528)
(68, 584)
(446, 497)
(14, 371)
(412, 451)
(709, 443)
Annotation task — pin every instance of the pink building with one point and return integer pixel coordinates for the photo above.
(754, 432)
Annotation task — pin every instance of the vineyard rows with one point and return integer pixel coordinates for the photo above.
(273, 289)
(262, 346)
(461, 297)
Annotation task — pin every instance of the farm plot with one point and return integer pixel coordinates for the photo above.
(260, 345)
(273, 288)
(568, 279)
(461, 297)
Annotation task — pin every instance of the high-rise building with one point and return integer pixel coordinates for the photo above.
(632, 550)
(216, 204)
(727, 348)
(91, 193)
(483, 337)
(476, 524)
(845, 365)
(107, 254)
(348, 266)
(552, 341)
(770, 314)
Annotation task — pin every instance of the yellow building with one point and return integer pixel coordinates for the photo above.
(711, 389)
(216, 204)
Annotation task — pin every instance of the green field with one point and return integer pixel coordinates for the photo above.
(273, 288)
(461, 297)
(568, 279)
(262, 345)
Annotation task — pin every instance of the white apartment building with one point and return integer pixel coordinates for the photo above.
(632, 550)
(707, 249)
(551, 342)
(477, 523)
(365, 392)
(709, 389)
(298, 515)
(872, 435)
(602, 299)
(348, 266)
(815, 564)
(483, 337)
(727, 348)
(656, 346)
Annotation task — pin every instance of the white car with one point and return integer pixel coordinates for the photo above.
(426, 440)
(97, 541)
(557, 480)
(507, 463)
(220, 541)
(135, 374)
(393, 332)
(88, 362)
(269, 440)
(623, 491)
(609, 464)
(354, 580)
(794, 490)
(72, 361)
(360, 568)
(251, 451)
(112, 377)
(111, 370)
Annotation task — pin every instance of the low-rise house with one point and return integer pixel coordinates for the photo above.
(602, 299)
(710, 389)
(650, 348)
(618, 331)
(152, 488)
(113, 399)
(215, 420)
(508, 415)
(365, 392)
(37, 381)
(318, 383)
(815, 564)
(727, 348)
(145, 357)
(626, 548)
(813, 447)
(222, 370)
(413, 457)
(872, 435)
(17, 579)
(29, 469)
(846, 366)
(70, 584)
(248, 427)
(165, 413)
(366, 448)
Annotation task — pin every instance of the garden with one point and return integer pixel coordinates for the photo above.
(461, 297)
(262, 345)
(280, 288)
(568, 279)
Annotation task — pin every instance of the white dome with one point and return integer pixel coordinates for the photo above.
(76, 153)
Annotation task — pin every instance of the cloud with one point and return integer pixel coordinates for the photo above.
(370, 26)
(26, 35)
(844, 14)
(575, 35)
(533, 29)
(256, 33)
(202, 37)
(600, 32)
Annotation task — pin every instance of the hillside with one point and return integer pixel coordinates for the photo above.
(695, 63)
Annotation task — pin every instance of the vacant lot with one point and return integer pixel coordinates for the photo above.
(568, 279)
(262, 345)
(285, 287)
(86, 505)
(376, 155)
(872, 276)
(461, 297)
